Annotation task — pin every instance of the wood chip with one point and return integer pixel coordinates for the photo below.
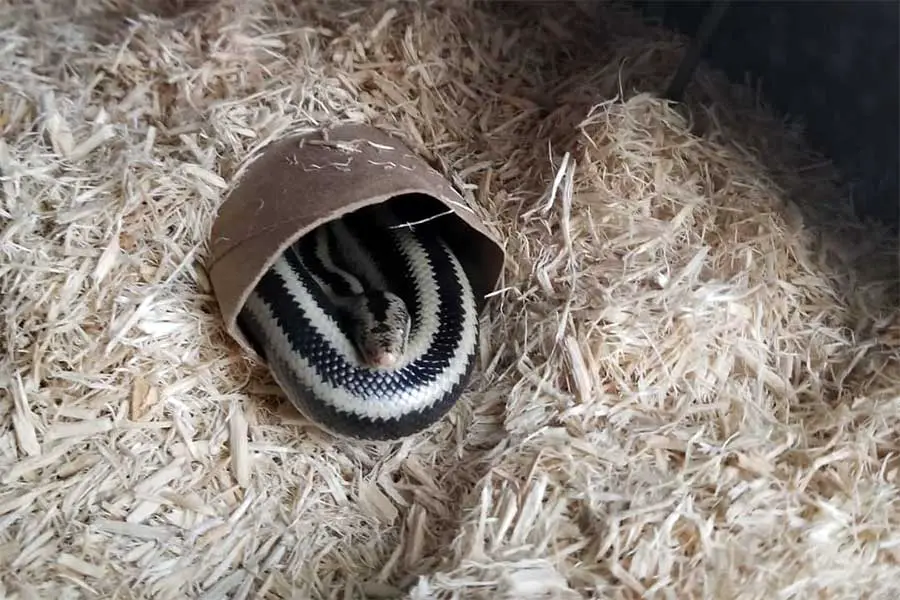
(144, 397)
(240, 453)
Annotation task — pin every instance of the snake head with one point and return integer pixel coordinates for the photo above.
(382, 331)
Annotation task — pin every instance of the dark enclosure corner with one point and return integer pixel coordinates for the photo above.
(833, 64)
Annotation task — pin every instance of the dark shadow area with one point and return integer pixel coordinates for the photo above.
(811, 75)
(833, 65)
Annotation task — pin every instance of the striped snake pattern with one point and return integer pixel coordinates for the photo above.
(369, 325)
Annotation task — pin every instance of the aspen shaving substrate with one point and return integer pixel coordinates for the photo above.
(688, 384)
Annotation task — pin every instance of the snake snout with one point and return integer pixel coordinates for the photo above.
(384, 359)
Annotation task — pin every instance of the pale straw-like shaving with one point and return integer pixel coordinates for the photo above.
(688, 385)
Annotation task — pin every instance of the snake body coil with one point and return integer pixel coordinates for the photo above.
(368, 325)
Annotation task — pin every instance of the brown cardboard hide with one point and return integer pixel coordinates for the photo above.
(299, 183)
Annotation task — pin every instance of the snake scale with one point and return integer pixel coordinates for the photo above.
(368, 324)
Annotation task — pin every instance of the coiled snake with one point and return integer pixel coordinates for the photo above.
(369, 325)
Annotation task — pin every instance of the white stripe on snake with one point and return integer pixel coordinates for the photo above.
(368, 325)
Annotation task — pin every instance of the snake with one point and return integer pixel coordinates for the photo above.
(368, 324)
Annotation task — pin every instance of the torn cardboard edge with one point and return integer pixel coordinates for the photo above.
(298, 183)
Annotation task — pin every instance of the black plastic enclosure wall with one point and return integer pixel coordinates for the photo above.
(835, 65)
